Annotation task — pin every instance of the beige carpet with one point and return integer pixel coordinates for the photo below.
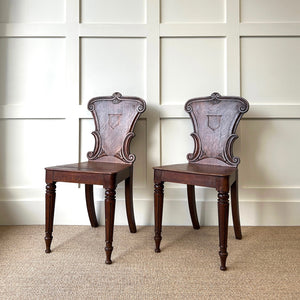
(264, 265)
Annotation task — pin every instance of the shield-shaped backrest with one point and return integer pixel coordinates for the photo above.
(215, 120)
(115, 117)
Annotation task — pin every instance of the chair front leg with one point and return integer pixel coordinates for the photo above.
(192, 206)
(89, 197)
(129, 202)
(49, 214)
(235, 210)
(158, 210)
(223, 208)
(110, 202)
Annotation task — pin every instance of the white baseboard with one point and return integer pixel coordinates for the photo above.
(73, 212)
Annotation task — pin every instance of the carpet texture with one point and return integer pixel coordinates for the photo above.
(265, 264)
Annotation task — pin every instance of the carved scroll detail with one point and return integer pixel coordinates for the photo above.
(124, 152)
(197, 154)
(98, 150)
(228, 153)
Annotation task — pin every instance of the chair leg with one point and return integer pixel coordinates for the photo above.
(110, 202)
(89, 197)
(223, 208)
(158, 209)
(50, 204)
(235, 210)
(129, 204)
(192, 206)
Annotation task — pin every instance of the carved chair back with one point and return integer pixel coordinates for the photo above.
(115, 117)
(215, 120)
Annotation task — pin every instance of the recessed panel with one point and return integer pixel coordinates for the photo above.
(270, 11)
(138, 147)
(270, 153)
(27, 147)
(176, 141)
(113, 11)
(32, 71)
(192, 11)
(191, 67)
(270, 68)
(111, 65)
(32, 11)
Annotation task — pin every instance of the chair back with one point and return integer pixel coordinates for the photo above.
(215, 120)
(115, 117)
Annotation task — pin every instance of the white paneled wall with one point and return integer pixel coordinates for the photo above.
(57, 54)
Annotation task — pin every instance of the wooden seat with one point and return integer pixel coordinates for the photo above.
(212, 164)
(108, 164)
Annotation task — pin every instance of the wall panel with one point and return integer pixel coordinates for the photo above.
(32, 71)
(191, 66)
(267, 75)
(192, 11)
(109, 65)
(32, 11)
(270, 11)
(113, 11)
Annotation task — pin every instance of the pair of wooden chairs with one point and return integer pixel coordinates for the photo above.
(212, 164)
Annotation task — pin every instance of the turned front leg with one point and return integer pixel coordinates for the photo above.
(110, 202)
(223, 208)
(49, 209)
(158, 209)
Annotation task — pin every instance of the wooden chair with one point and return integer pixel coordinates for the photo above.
(215, 120)
(108, 164)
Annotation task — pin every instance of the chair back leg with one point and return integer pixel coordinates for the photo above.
(89, 197)
(129, 203)
(235, 210)
(192, 206)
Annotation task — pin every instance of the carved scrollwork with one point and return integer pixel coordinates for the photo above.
(228, 153)
(116, 97)
(197, 154)
(124, 153)
(215, 98)
(244, 107)
(142, 107)
(188, 108)
(98, 150)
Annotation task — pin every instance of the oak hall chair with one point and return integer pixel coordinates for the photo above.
(212, 164)
(108, 164)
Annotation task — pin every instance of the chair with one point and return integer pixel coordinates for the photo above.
(108, 164)
(212, 164)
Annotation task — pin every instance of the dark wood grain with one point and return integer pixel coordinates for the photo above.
(212, 164)
(108, 164)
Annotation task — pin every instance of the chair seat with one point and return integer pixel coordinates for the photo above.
(199, 169)
(91, 167)
(89, 172)
(196, 174)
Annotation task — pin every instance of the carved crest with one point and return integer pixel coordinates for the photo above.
(114, 120)
(213, 121)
